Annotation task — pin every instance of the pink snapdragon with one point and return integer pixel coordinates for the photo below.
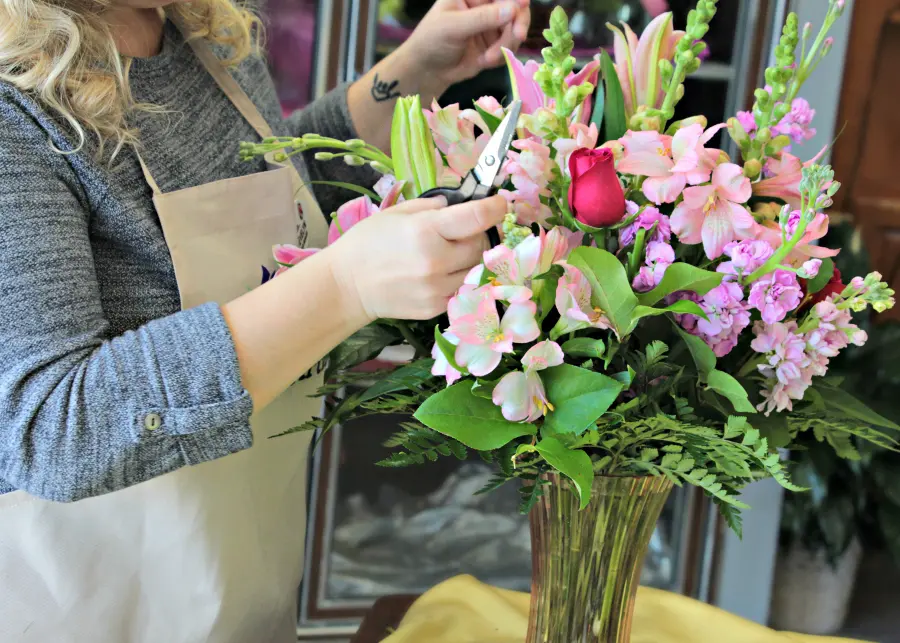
(483, 336)
(658, 259)
(490, 105)
(582, 136)
(442, 367)
(775, 295)
(648, 217)
(727, 314)
(521, 395)
(786, 366)
(530, 169)
(573, 301)
(714, 214)
(746, 257)
(527, 209)
(670, 163)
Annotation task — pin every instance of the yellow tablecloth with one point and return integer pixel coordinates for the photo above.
(463, 610)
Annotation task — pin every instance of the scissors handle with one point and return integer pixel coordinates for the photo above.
(470, 190)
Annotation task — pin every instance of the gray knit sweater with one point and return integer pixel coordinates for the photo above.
(91, 336)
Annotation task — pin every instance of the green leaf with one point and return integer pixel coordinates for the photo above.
(836, 399)
(817, 283)
(457, 413)
(484, 388)
(682, 276)
(584, 347)
(728, 387)
(774, 429)
(736, 425)
(614, 109)
(493, 122)
(732, 516)
(578, 396)
(349, 186)
(598, 106)
(448, 349)
(575, 464)
(610, 290)
(361, 346)
(683, 307)
(400, 379)
(626, 377)
(703, 355)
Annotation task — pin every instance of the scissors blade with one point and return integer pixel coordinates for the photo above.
(491, 159)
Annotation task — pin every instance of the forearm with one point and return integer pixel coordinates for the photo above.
(283, 328)
(371, 99)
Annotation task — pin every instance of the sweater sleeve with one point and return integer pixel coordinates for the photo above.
(330, 116)
(83, 412)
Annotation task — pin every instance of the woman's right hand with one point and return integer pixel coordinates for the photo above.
(408, 261)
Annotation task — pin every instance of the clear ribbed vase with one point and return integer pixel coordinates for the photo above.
(586, 565)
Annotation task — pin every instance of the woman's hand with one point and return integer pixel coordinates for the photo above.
(459, 38)
(406, 262)
(453, 42)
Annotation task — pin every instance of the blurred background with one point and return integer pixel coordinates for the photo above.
(822, 562)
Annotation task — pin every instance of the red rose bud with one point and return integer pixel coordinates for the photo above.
(595, 195)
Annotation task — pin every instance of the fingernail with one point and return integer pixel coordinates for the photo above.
(440, 201)
(506, 11)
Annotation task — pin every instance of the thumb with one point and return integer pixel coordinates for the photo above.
(470, 219)
(418, 205)
(477, 20)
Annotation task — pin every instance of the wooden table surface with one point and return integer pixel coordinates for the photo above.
(384, 616)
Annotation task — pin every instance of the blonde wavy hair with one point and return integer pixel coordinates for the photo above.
(62, 52)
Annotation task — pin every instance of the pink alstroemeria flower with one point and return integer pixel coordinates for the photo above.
(770, 231)
(513, 269)
(483, 335)
(573, 300)
(526, 89)
(784, 182)
(442, 367)
(352, 212)
(530, 169)
(713, 214)
(556, 246)
(637, 61)
(454, 135)
(582, 137)
(521, 396)
(671, 163)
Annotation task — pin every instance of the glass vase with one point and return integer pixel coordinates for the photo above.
(587, 564)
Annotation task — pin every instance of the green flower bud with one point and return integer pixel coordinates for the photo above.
(380, 167)
(412, 147)
(324, 156)
(353, 160)
(764, 135)
(752, 169)
(280, 157)
(356, 143)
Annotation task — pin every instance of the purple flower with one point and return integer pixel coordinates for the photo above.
(796, 124)
(645, 220)
(659, 257)
(728, 316)
(775, 295)
(746, 257)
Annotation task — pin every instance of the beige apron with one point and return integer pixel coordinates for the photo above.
(208, 553)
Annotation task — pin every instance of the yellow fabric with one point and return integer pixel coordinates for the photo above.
(463, 610)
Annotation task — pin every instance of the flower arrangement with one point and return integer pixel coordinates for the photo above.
(657, 307)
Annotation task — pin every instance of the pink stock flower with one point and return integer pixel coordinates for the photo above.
(713, 214)
(442, 367)
(659, 257)
(454, 135)
(837, 326)
(573, 301)
(810, 269)
(670, 163)
(786, 366)
(637, 61)
(490, 105)
(746, 257)
(747, 121)
(483, 335)
(582, 137)
(770, 232)
(530, 169)
(513, 269)
(521, 396)
(648, 217)
(728, 317)
(775, 295)
(795, 125)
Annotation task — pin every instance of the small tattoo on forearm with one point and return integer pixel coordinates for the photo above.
(383, 90)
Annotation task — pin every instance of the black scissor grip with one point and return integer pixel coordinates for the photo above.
(470, 190)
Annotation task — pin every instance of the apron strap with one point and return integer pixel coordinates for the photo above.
(146, 170)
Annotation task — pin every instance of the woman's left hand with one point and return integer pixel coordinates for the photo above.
(458, 38)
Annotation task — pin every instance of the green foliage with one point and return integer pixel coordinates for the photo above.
(728, 387)
(476, 422)
(579, 398)
(574, 463)
(682, 276)
(818, 283)
(361, 346)
(610, 289)
(584, 347)
(417, 444)
(615, 122)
